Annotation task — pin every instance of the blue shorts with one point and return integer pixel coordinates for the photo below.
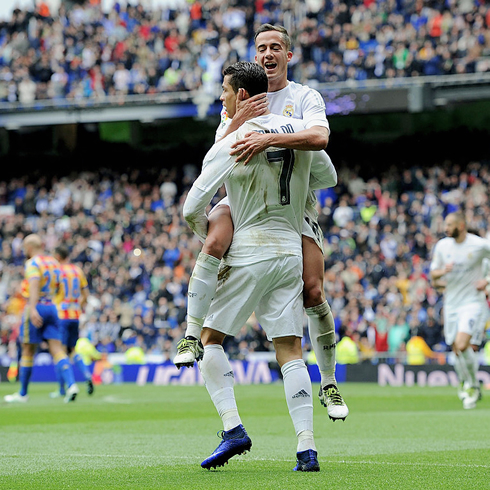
(29, 334)
(69, 332)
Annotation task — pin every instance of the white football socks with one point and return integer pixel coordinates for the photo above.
(219, 379)
(202, 287)
(321, 328)
(298, 391)
(468, 358)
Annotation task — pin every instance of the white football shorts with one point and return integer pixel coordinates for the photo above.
(272, 288)
(312, 230)
(470, 319)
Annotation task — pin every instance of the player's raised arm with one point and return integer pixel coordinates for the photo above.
(216, 168)
(314, 138)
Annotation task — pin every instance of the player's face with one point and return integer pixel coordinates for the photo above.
(27, 250)
(272, 56)
(452, 227)
(228, 96)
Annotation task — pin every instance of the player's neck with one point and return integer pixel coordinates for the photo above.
(275, 86)
(462, 237)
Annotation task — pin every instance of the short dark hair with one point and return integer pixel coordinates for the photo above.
(62, 251)
(247, 75)
(280, 29)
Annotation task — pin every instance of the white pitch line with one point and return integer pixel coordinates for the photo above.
(115, 399)
(186, 458)
(395, 463)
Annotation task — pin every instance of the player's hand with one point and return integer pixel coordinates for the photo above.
(449, 267)
(481, 284)
(249, 108)
(250, 145)
(36, 318)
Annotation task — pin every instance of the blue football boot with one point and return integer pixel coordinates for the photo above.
(234, 441)
(307, 461)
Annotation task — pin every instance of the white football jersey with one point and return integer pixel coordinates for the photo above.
(267, 196)
(467, 258)
(299, 102)
(486, 267)
(486, 273)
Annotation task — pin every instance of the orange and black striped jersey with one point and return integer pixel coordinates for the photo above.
(72, 283)
(47, 270)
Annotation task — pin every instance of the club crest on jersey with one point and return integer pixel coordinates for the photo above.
(288, 111)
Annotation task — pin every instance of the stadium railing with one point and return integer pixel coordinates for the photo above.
(368, 96)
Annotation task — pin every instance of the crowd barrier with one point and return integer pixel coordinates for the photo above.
(262, 372)
(166, 373)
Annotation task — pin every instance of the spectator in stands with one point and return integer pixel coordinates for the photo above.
(85, 52)
(96, 208)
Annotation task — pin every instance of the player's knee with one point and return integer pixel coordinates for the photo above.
(313, 294)
(220, 232)
(211, 337)
(460, 345)
(28, 351)
(216, 246)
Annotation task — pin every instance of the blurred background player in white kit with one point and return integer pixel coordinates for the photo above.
(458, 261)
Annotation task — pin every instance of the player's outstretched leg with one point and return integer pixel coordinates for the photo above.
(71, 393)
(25, 371)
(472, 395)
(61, 392)
(468, 367)
(63, 364)
(321, 327)
(307, 461)
(202, 287)
(84, 369)
(331, 398)
(233, 442)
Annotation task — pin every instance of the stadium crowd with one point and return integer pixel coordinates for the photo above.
(127, 233)
(87, 53)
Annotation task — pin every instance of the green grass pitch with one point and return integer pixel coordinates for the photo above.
(155, 437)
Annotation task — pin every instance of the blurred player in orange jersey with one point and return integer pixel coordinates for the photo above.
(71, 299)
(40, 319)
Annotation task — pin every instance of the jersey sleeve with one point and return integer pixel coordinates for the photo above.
(322, 172)
(218, 165)
(486, 267)
(32, 270)
(486, 248)
(437, 261)
(486, 273)
(314, 110)
(82, 277)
